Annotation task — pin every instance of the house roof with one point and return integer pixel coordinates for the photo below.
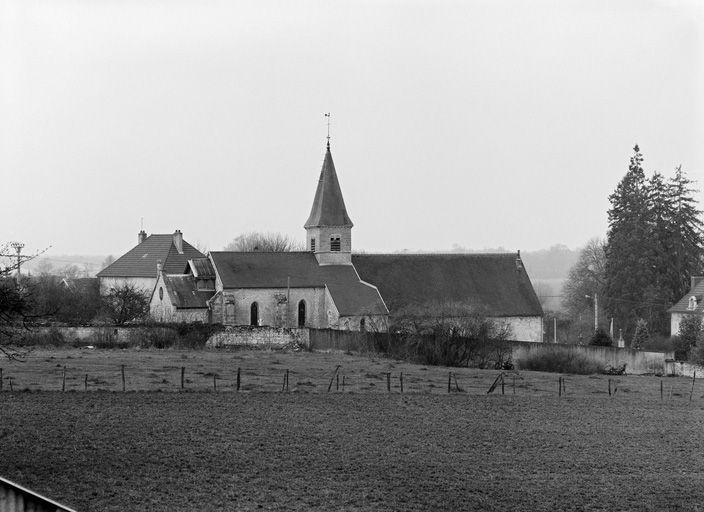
(183, 293)
(328, 206)
(682, 305)
(298, 270)
(202, 268)
(497, 283)
(141, 260)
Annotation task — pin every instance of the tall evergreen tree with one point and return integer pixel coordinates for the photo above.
(627, 270)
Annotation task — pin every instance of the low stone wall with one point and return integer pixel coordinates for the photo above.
(637, 362)
(684, 369)
(264, 337)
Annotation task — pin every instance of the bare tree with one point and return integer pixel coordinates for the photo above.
(264, 242)
(125, 304)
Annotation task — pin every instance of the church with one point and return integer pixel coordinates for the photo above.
(327, 286)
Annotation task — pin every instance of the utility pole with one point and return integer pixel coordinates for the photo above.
(596, 312)
(554, 329)
(288, 301)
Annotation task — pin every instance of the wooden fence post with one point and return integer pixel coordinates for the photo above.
(283, 384)
(85, 383)
(123, 377)
(388, 382)
(337, 382)
(513, 385)
(215, 383)
(63, 380)
(238, 378)
(449, 382)
(337, 368)
(343, 383)
(288, 389)
(559, 386)
(661, 390)
(502, 385)
(610, 386)
(401, 379)
(10, 382)
(183, 371)
(691, 392)
(0, 379)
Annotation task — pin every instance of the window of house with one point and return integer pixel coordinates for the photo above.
(312, 244)
(692, 303)
(335, 243)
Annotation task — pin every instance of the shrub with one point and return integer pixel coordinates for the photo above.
(40, 338)
(601, 338)
(559, 361)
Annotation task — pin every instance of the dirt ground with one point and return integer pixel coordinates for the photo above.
(361, 449)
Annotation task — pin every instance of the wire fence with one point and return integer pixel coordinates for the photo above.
(250, 379)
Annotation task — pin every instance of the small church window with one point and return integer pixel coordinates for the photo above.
(362, 325)
(335, 243)
(312, 244)
(161, 293)
(254, 314)
(302, 314)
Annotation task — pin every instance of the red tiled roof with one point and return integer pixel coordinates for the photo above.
(493, 282)
(328, 206)
(682, 305)
(141, 260)
(299, 270)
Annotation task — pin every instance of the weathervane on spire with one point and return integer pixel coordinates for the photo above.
(328, 116)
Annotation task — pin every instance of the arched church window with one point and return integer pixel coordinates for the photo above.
(362, 325)
(335, 243)
(254, 314)
(302, 314)
(161, 293)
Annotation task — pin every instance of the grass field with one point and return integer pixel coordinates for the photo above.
(364, 449)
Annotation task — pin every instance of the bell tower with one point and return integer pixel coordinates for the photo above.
(329, 228)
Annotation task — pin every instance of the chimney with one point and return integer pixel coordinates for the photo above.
(159, 267)
(141, 236)
(695, 280)
(178, 241)
(519, 263)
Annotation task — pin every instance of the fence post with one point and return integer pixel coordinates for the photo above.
(238, 378)
(0, 379)
(502, 385)
(388, 382)
(10, 378)
(343, 383)
(288, 389)
(449, 382)
(661, 390)
(122, 367)
(610, 387)
(215, 383)
(283, 384)
(183, 371)
(559, 386)
(401, 379)
(337, 382)
(694, 377)
(513, 385)
(337, 368)
(63, 380)
(85, 383)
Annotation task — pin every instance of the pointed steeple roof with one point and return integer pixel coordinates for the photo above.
(328, 205)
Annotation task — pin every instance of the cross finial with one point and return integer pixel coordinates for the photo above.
(328, 117)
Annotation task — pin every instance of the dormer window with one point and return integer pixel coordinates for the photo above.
(312, 245)
(692, 303)
(335, 243)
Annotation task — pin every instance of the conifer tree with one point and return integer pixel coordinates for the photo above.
(627, 270)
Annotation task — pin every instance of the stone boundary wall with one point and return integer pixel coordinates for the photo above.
(638, 362)
(262, 337)
(685, 369)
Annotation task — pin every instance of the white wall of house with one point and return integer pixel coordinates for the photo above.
(523, 328)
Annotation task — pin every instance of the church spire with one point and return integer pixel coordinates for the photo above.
(328, 205)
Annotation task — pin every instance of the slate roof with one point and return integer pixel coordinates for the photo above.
(141, 260)
(493, 282)
(682, 305)
(183, 293)
(328, 206)
(202, 268)
(273, 270)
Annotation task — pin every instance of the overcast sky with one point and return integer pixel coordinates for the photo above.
(477, 123)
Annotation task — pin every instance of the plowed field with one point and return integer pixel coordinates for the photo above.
(104, 451)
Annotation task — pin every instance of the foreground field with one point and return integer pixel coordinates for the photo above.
(206, 370)
(251, 451)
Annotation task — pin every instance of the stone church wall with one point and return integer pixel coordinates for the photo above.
(273, 310)
(264, 337)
